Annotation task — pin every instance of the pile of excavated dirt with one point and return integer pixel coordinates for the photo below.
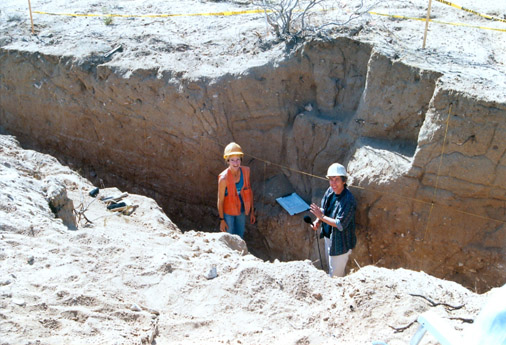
(136, 279)
(146, 105)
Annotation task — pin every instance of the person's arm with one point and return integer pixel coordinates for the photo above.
(317, 211)
(222, 185)
(343, 218)
(346, 213)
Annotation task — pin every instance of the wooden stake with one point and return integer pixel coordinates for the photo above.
(31, 17)
(426, 24)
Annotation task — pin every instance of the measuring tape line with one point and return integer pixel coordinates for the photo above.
(402, 196)
(471, 11)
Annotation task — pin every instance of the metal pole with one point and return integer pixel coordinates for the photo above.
(318, 245)
(426, 24)
(31, 17)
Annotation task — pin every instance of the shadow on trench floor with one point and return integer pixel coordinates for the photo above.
(184, 215)
(256, 242)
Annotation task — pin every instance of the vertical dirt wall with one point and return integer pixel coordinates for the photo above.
(154, 132)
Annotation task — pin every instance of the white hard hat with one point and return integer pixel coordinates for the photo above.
(336, 169)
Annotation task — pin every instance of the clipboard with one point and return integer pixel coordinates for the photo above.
(293, 204)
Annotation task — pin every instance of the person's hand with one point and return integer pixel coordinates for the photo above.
(223, 226)
(315, 224)
(315, 209)
(252, 218)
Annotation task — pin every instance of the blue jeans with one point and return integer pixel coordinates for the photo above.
(236, 224)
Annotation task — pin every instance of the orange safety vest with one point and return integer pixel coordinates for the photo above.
(232, 203)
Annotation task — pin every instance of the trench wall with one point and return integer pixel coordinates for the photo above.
(156, 133)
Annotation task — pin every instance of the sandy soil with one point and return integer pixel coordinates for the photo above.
(195, 46)
(131, 279)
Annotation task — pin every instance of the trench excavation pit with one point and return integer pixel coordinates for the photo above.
(153, 134)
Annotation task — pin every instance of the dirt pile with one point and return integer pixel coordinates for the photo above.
(132, 279)
(422, 132)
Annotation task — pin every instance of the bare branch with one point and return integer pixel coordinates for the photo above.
(403, 328)
(435, 304)
(290, 18)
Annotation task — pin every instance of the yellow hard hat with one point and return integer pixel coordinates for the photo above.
(232, 149)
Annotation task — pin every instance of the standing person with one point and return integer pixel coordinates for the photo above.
(337, 217)
(235, 197)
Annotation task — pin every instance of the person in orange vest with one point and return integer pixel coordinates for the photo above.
(235, 197)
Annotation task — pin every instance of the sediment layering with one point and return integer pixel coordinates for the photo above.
(426, 155)
(134, 278)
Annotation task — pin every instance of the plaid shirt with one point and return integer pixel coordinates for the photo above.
(342, 208)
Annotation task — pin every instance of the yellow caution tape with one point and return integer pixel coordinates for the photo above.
(226, 13)
(234, 13)
(471, 11)
(231, 13)
(437, 21)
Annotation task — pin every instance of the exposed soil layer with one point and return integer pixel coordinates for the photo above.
(427, 158)
(134, 278)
